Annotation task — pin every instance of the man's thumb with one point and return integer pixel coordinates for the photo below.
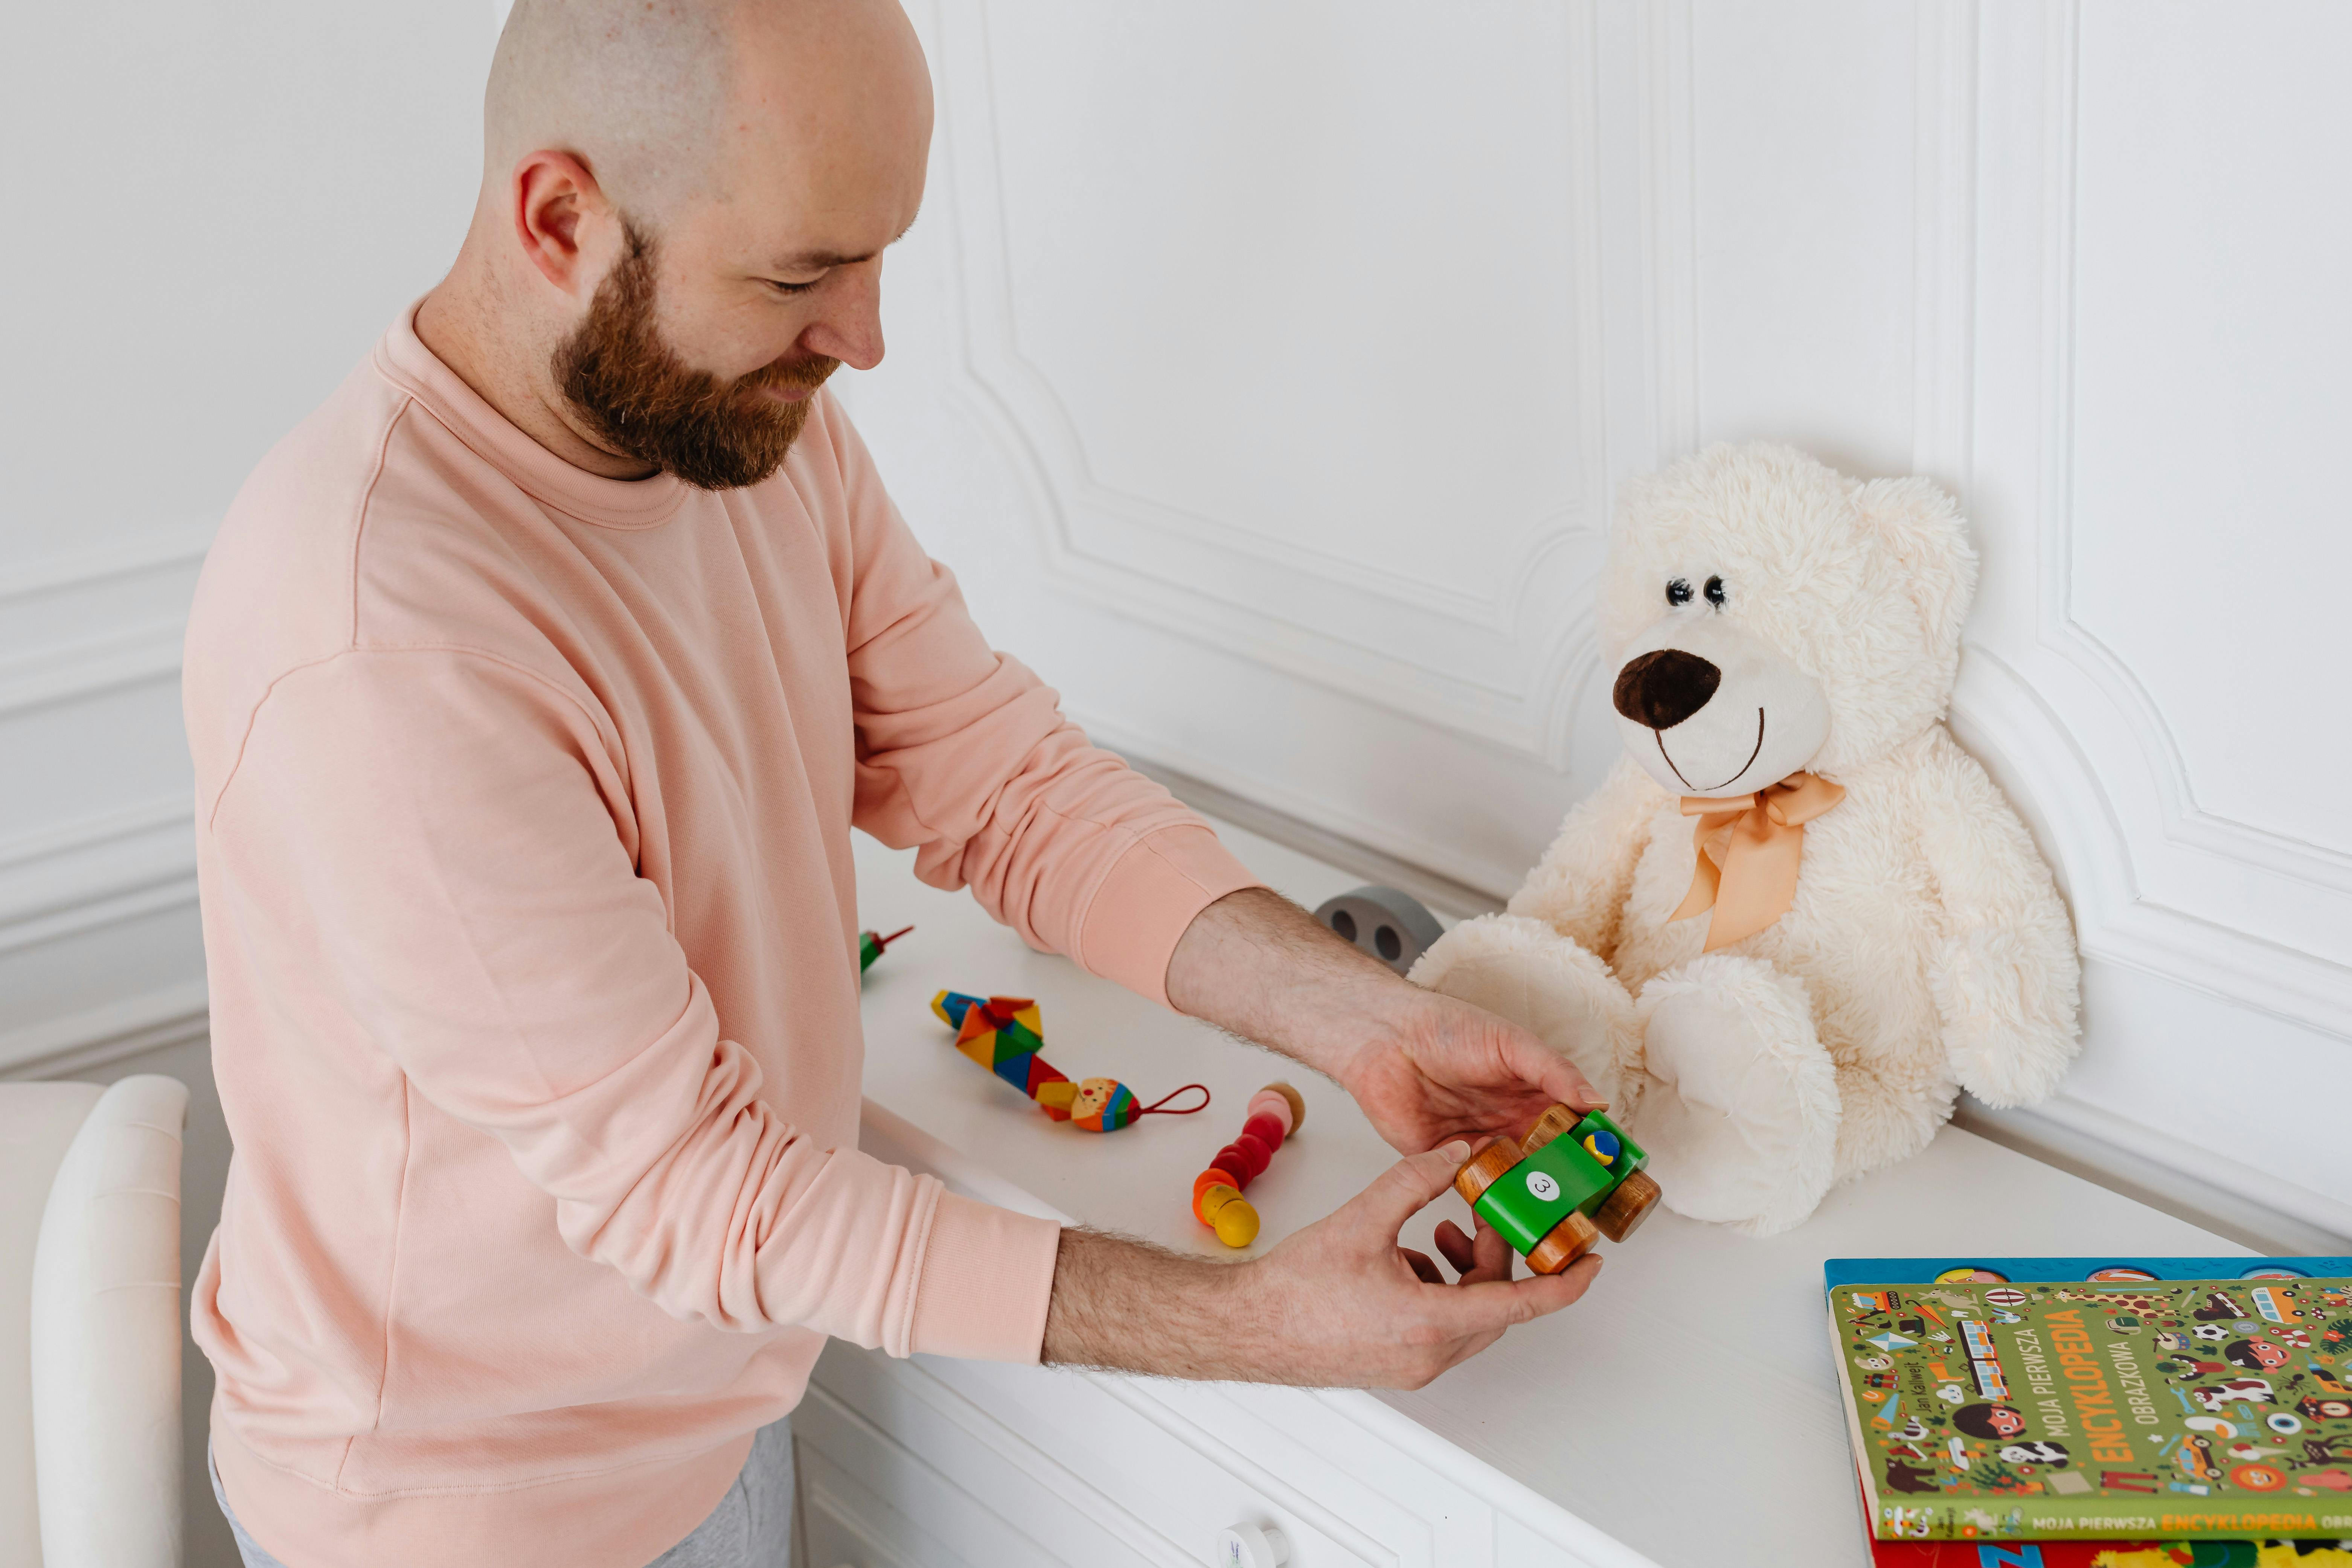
(1406, 1188)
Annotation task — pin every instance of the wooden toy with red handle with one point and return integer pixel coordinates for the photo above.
(1275, 1113)
(1553, 1197)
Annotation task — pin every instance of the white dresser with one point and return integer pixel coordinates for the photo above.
(1684, 1413)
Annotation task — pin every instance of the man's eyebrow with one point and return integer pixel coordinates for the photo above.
(819, 260)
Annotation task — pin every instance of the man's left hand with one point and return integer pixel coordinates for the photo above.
(1425, 1067)
(1442, 1069)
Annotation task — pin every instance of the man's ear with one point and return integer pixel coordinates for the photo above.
(1922, 526)
(558, 211)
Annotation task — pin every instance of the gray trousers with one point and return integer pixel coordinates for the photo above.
(750, 1528)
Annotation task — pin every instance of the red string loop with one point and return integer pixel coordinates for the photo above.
(1163, 1100)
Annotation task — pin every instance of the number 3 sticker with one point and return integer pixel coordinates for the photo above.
(1541, 1185)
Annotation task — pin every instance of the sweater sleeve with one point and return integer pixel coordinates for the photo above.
(439, 847)
(964, 754)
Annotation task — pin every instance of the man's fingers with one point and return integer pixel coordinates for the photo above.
(1425, 1270)
(1492, 1305)
(1456, 1246)
(1405, 1188)
(1533, 1059)
(1490, 1254)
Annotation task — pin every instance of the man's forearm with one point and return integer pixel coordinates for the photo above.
(1130, 1306)
(1259, 965)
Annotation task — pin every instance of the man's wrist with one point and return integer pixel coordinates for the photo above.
(1257, 964)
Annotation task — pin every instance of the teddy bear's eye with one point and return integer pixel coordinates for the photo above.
(1678, 592)
(1714, 592)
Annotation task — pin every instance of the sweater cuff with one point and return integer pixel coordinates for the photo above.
(987, 1276)
(1152, 895)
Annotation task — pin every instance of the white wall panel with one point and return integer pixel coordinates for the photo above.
(1802, 174)
(1266, 371)
(2213, 325)
(213, 209)
(2065, 261)
(1316, 370)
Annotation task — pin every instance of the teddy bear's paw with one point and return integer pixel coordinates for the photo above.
(1739, 1112)
(1523, 969)
(2009, 1012)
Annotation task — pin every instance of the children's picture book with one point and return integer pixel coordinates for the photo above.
(2099, 1402)
(2110, 1555)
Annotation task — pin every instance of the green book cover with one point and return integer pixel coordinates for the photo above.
(1985, 1409)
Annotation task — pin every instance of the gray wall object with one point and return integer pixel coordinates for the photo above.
(1393, 927)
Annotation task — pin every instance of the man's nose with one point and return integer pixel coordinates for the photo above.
(851, 329)
(1663, 688)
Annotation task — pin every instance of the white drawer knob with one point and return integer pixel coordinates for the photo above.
(1252, 1546)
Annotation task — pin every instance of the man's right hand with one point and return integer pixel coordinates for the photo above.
(1339, 1304)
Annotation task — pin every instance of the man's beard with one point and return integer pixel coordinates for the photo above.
(645, 403)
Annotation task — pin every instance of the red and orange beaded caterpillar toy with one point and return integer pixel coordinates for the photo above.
(1275, 1113)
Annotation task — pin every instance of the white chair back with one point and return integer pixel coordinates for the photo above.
(105, 1336)
(38, 1124)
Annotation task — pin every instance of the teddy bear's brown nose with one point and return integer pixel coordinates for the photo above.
(1663, 688)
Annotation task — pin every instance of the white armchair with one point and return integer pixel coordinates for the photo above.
(89, 1323)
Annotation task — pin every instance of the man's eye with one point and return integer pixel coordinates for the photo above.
(781, 287)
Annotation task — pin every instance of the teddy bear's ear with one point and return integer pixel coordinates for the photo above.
(1921, 526)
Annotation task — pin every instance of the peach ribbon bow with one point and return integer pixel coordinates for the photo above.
(1749, 849)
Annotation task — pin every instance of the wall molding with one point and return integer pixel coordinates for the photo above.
(1472, 885)
(2224, 1195)
(100, 1037)
(1669, 187)
(2158, 883)
(90, 651)
(2010, 724)
(162, 547)
(97, 871)
(65, 633)
(1944, 194)
(1439, 892)
(1505, 665)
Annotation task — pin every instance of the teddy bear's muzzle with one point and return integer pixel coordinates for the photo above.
(1708, 708)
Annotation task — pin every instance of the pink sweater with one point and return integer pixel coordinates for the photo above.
(523, 807)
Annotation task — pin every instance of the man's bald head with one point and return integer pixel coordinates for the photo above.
(637, 88)
(669, 101)
(684, 206)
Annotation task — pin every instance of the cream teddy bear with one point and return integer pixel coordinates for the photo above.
(1797, 917)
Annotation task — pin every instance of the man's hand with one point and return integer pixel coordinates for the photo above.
(1425, 1067)
(1338, 1305)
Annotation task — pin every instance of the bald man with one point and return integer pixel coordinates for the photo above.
(534, 685)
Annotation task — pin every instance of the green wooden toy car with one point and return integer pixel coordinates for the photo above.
(1552, 1196)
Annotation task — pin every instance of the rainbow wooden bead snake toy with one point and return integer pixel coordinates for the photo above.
(1004, 1035)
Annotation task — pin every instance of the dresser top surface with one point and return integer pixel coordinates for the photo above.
(1694, 1342)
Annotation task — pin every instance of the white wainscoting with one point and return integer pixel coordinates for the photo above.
(205, 274)
(1266, 372)
(98, 941)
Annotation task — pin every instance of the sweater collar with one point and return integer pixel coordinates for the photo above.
(402, 358)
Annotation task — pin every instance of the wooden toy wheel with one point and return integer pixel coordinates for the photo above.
(1551, 1124)
(1563, 1243)
(1479, 1172)
(1628, 1207)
